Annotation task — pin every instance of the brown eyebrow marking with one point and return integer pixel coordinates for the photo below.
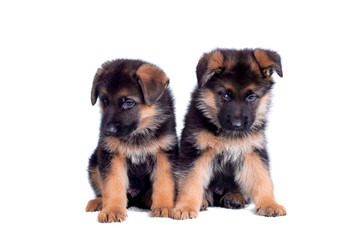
(251, 87)
(229, 86)
(125, 93)
(103, 91)
(122, 93)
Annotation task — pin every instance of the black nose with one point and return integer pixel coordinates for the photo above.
(109, 130)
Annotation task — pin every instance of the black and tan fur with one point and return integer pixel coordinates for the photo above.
(132, 164)
(223, 158)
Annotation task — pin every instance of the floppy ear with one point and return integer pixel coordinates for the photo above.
(268, 61)
(209, 64)
(153, 82)
(97, 78)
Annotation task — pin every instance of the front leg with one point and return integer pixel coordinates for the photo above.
(255, 179)
(163, 195)
(114, 200)
(191, 188)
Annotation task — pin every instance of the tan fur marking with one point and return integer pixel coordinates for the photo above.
(251, 87)
(207, 104)
(263, 59)
(146, 116)
(114, 192)
(153, 82)
(216, 61)
(103, 91)
(150, 148)
(256, 181)
(148, 72)
(163, 196)
(262, 109)
(255, 66)
(191, 190)
(210, 102)
(229, 86)
(94, 205)
(122, 93)
(208, 140)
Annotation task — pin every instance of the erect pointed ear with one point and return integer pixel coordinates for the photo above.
(268, 61)
(153, 82)
(97, 78)
(209, 64)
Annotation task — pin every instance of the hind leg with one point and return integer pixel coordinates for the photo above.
(94, 205)
(96, 184)
(204, 204)
(233, 200)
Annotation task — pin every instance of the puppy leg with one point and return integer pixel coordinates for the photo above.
(94, 205)
(191, 188)
(234, 200)
(204, 204)
(163, 196)
(96, 183)
(255, 179)
(114, 192)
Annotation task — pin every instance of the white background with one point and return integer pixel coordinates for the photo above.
(50, 51)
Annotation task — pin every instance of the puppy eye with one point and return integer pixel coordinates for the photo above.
(104, 101)
(128, 104)
(225, 96)
(251, 98)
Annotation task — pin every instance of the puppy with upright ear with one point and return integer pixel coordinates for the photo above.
(132, 164)
(223, 158)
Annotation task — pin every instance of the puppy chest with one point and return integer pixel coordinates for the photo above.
(224, 165)
(140, 165)
(139, 171)
(227, 161)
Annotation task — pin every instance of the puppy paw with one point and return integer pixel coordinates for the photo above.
(233, 200)
(161, 212)
(94, 205)
(184, 213)
(112, 215)
(204, 205)
(270, 210)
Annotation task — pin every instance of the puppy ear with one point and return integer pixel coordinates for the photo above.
(97, 78)
(268, 61)
(209, 64)
(153, 82)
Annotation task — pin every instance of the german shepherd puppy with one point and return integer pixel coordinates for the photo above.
(223, 158)
(132, 164)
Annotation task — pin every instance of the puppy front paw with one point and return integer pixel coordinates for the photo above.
(184, 213)
(161, 212)
(270, 210)
(112, 215)
(204, 205)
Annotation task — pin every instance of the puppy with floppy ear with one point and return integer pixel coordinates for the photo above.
(223, 159)
(132, 164)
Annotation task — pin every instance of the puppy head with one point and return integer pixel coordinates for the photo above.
(128, 91)
(235, 86)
